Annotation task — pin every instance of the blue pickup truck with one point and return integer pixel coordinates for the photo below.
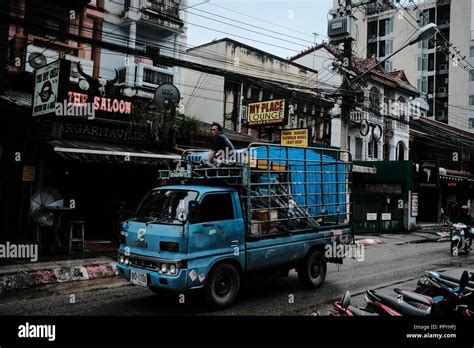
(270, 209)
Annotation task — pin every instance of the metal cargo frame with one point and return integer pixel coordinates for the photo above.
(285, 189)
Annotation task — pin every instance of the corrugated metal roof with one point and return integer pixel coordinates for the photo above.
(16, 97)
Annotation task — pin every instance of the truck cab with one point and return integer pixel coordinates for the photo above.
(202, 234)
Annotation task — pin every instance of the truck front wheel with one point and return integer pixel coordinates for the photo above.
(222, 286)
(312, 271)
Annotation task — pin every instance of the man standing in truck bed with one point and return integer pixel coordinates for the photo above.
(222, 146)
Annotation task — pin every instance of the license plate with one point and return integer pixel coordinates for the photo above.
(138, 278)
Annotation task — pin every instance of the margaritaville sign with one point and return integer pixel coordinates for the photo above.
(266, 113)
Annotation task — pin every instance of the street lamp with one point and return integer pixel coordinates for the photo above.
(424, 33)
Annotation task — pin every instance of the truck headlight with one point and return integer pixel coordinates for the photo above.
(172, 269)
(121, 259)
(164, 267)
(126, 262)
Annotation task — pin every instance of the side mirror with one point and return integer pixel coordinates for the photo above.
(193, 211)
(464, 281)
(346, 299)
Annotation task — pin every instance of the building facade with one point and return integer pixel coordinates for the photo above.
(433, 67)
(154, 27)
(252, 76)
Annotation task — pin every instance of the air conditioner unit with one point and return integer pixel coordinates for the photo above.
(86, 64)
(37, 57)
(342, 28)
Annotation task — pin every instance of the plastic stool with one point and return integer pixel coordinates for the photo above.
(76, 234)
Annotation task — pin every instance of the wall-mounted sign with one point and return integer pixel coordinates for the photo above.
(119, 133)
(46, 88)
(271, 112)
(414, 204)
(428, 174)
(101, 103)
(295, 137)
(29, 173)
(386, 216)
(371, 216)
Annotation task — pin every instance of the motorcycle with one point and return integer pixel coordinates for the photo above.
(461, 239)
(451, 297)
(344, 308)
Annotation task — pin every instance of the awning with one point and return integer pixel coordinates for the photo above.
(95, 152)
(364, 170)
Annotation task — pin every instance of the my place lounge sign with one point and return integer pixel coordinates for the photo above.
(266, 113)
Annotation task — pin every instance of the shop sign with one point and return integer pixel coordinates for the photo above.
(265, 113)
(111, 105)
(295, 137)
(414, 204)
(91, 131)
(371, 216)
(386, 216)
(428, 174)
(46, 88)
(29, 174)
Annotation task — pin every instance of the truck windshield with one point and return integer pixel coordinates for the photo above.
(165, 206)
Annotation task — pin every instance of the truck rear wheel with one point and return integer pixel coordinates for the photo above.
(222, 286)
(312, 272)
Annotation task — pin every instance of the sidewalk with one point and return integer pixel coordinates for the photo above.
(402, 238)
(97, 261)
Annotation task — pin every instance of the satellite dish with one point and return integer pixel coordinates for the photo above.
(166, 95)
(37, 60)
(74, 71)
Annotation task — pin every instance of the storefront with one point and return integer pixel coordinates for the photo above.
(88, 150)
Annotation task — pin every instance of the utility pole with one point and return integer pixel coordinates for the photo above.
(347, 99)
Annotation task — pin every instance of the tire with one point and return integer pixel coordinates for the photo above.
(222, 286)
(313, 270)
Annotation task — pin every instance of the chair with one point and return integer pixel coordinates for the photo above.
(76, 234)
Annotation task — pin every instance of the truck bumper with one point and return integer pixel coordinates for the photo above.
(157, 280)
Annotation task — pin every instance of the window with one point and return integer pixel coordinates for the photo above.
(422, 84)
(471, 123)
(423, 44)
(374, 100)
(471, 75)
(389, 26)
(216, 207)
(373, 148)
(471, 52)
(423, 63)
(358, 149)
(471, 100)
(389, 66)
(388, 47)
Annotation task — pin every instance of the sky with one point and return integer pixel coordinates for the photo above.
(285, 27)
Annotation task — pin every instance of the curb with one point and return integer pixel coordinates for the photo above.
(369, 241)
(23, 280)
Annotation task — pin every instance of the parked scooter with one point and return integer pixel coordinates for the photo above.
(461, 239)
(343, 308)
(447, 301)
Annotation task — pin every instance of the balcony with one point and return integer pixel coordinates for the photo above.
(163, 13)
(402, 126)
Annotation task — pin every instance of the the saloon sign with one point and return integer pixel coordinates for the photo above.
(266, 113)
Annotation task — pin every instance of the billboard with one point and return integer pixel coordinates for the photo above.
(265, 113)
